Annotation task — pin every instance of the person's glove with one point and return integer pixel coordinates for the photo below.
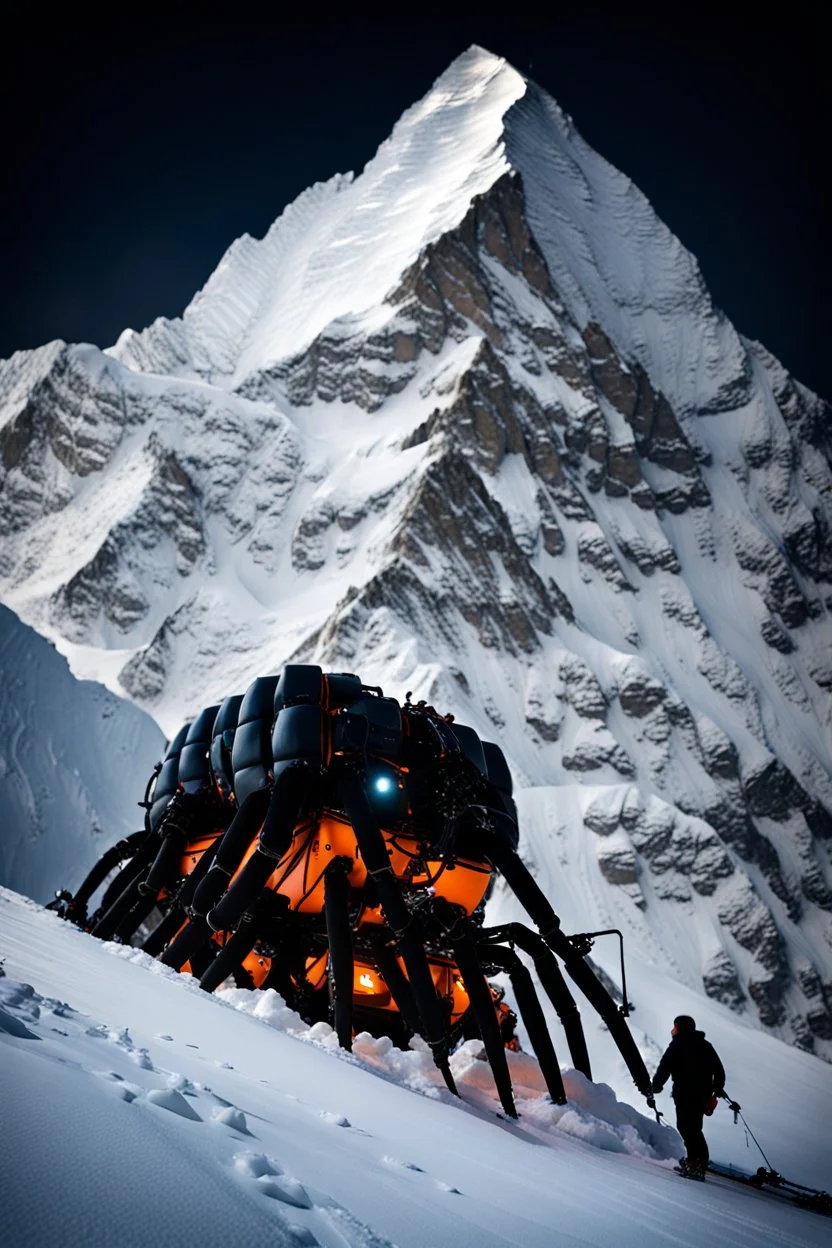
(657, 1087)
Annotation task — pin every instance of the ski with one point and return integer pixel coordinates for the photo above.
(774, 1184)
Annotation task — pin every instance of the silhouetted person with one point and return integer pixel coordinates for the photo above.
(698, 1076)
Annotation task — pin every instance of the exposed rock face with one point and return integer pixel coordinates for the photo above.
(527, 470)
(617, 860)
(721, 981)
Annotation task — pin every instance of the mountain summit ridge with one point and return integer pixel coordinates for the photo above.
(338, 249)
(521, 466)
(480, 120)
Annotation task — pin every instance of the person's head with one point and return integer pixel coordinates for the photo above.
(683, 1024)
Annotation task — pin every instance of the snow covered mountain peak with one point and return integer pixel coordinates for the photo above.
(334, 256)
(338, 250)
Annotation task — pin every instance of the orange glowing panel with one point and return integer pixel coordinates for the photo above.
(316, 970)
(370, 989)
(258, 968)
(194, 851)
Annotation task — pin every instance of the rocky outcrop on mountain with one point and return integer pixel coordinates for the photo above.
(502, 451)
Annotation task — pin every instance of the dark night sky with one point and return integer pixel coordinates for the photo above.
(136, 153)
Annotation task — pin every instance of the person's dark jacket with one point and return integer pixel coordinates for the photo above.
(693, 1064)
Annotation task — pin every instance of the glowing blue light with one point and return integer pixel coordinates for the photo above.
(383, 784)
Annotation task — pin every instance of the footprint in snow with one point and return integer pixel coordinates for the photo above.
(281, 1187)
(121, 1087)
(14, 1027)
(142, 1059)
(21, 998)
(354, 1232)
(59, 1008)
(232, 1117)
(221, 1101)
(180, 1083)
(170, 1099)
(255, 1165)
(401, 1165)
(271, 1180)
(337, 1120)
(302, 1235)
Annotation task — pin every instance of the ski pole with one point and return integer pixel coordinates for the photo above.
(651, 1101)
(735, 1107)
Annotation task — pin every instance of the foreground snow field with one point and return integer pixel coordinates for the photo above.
(138, 1111)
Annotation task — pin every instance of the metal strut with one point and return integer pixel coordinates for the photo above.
(583, 942)
(525, 887)
(532, 1015)
(339, 936)
(552, 982)
(233, 953)
(459, 933)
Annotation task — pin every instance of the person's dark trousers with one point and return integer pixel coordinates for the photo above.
(689, 1117)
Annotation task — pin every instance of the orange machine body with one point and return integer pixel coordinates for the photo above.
(300, 873)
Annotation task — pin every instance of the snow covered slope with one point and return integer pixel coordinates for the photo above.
(469, 424)
(71, 756)
(139, 1111)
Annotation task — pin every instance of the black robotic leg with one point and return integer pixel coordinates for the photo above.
(284, 811)
(231, 955)
(164, 932)
(554, 985)
(123, 892)
(460, 935)
(522, 883)
(135, 917)
(194, 935)
(165, 867)
(532, 1016)
(339, 936)
(203, 958)
(235, 841)
(177, 914)
(116, 854)
(374, 852)
(128, 875)
(392, 974)
(112, 919)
